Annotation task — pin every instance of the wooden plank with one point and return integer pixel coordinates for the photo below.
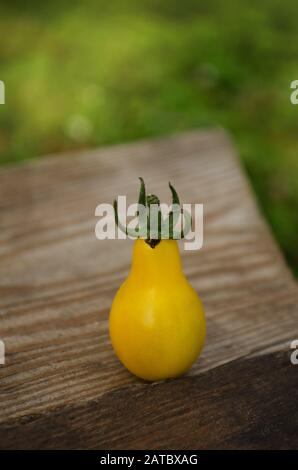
(57, 281)
(244, 404)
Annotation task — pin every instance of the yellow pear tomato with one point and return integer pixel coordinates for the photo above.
(157, 323)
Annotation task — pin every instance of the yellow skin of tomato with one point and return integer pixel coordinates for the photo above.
(157, 322)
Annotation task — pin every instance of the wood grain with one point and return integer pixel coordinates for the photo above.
(245, 404)
(57, 282)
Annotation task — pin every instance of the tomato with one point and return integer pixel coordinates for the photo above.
(157, 322)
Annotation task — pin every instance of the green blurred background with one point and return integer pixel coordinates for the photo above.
(83, 74)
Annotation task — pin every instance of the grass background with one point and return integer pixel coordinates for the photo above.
(81, 74)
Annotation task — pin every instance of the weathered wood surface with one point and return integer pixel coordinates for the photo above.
(62, 386)
(221, 408)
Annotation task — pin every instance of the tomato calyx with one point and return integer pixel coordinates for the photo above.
(152, 226)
